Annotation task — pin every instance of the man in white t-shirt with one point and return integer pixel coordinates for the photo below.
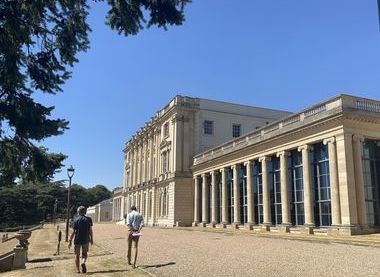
(135, 222)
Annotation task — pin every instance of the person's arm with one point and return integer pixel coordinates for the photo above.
(141, 223)
(129, 223)
(91, 236)
(71, 237)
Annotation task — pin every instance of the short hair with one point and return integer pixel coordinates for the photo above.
(82, 210)
(133, 208)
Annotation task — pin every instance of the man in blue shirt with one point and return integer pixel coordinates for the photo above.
(135, 222)
(82, 235)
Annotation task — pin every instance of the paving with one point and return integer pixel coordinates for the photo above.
(192, 252)
(43, 262)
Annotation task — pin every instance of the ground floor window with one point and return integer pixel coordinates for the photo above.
(321, 184)
(243, 194)
(218, 179)
(296, 188)
(275, 190)
(209, 197)
(371, 172)
(258, 192)
(230, 196)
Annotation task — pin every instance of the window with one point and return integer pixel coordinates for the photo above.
(371, 172)
(236, 130)
(296, 188)
(208, 127)
(166, 129)
(322, 194)
(275, 190)
(258, 193)
(165, 161)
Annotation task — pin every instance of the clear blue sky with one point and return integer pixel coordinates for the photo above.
(283, 54)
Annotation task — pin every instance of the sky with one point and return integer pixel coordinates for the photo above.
(283, 54)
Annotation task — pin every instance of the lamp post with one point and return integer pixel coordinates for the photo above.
(70, 174)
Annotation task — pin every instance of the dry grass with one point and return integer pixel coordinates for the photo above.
(43, 262)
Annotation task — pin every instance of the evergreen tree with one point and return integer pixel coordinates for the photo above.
(39, 44)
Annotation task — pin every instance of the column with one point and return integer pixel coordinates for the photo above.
(357, 142)
(122, 206)
(153, 206)
(147, 205)
(250, 196)
(135, 165)
(162, 202)
(347, 186)
(130, 181)
(196, 201)
(334, 182)
(151, 164)
(307, 186)
(204, 199)
(285, 203)
(266, 192)
(214, 215)
(236, 169)
(224, 196)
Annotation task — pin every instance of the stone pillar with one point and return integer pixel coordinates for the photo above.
(334, 182)
(250, 196)
(196, 201)
(285, 202)
(151, 164)
(135, 166)
(147, 206)
(266, 193)
(153, 221)
(214, 215)
(224, 198)
(357, 142)
(20, 257)
(308, 190)
(236, 169)
(205, 218)
(346, 177)
(130, 181)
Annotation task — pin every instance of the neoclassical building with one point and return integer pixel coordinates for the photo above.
(158, 158)
(317, 170)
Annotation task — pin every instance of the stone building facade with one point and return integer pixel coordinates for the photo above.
(158, 158)
(101, 212)
(313, 171)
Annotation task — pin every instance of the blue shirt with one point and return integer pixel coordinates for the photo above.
(135, 220)
(82, 226)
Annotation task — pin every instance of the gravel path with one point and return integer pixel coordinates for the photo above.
(171, 252)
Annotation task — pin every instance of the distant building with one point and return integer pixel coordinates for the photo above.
(101, 212)
(118, 208)
(158, 158)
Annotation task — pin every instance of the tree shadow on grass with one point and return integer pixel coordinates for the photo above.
(156, 265)
(106, 271)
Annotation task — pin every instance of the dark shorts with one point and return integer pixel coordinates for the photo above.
(78, 247)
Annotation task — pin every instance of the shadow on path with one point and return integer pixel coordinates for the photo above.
(107, 271)
(157, 265)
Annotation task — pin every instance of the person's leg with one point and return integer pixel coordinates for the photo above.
(129, 248)
(77, 256)
(84, 257)
(136, 244)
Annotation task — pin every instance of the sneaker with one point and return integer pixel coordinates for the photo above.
(84, 269)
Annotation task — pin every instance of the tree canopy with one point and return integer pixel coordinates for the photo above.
(31, 203)
(39, 44)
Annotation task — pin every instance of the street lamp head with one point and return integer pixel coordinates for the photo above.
(70, 171)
